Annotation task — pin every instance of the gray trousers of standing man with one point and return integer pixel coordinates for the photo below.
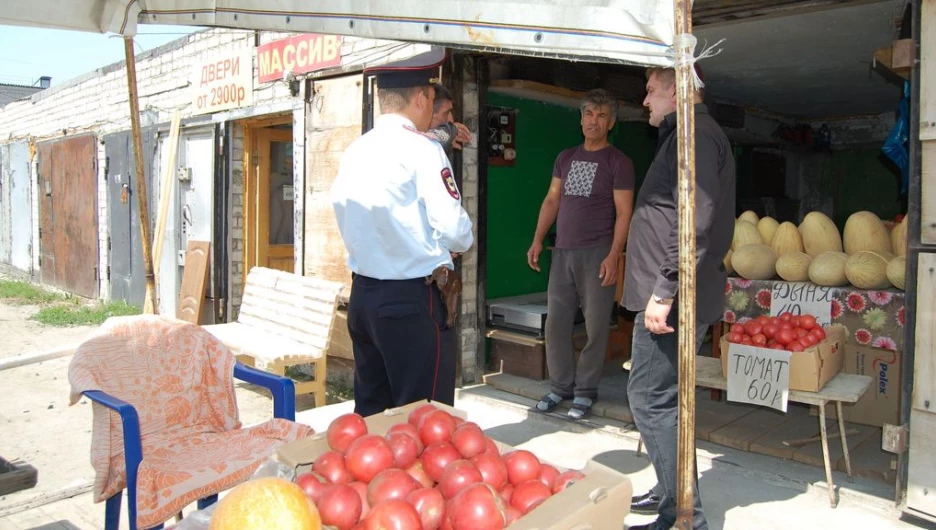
(653, 394)
(573, 280)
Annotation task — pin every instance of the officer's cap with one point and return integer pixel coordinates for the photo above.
(419, 70)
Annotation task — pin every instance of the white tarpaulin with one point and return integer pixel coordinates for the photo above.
(633, 31)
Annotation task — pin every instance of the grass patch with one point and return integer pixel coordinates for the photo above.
(62, 315)
(19, 292)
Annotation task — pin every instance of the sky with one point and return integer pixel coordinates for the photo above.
(27, 53)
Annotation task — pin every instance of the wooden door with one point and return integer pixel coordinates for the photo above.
(270, 237)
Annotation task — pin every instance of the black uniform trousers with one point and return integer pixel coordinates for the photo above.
(402, 349)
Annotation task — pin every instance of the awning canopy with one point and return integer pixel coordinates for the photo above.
(630, 31)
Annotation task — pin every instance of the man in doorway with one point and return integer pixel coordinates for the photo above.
(590, 199)
(444, 128)
(400, 216)
(652, 281)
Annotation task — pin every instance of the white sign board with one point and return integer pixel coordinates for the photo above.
(223, 82)
(760, 376)
(801, 298)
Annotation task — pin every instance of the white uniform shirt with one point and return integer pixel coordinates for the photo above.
(398, 208)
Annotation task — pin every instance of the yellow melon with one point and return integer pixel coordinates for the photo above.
(745, 233)
(767, 228)
(897, 271)
(898, 238)
(266, 503)
(819, 234)
(727, 262)
(828, 269)
(865, 231)
(787, 239)
(750, 217)
(867, 269)
(754, 261)
(794, 266)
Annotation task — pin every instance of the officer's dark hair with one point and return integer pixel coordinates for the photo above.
(397, 99)
(442, 95)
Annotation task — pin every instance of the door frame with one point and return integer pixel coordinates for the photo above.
(257, 192)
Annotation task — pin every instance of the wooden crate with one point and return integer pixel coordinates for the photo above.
(518, 354)
(16, 476)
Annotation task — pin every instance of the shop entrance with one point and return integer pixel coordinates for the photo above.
(269, 235)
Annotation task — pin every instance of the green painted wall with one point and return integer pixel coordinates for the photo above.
(862, 179)
(514, 194)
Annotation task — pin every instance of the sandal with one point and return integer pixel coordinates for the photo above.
(547, 403)
(579, 411)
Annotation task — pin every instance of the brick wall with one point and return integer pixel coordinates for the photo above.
(470, 340)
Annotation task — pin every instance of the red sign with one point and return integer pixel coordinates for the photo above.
(300, 54)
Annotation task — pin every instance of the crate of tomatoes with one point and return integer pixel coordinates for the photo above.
(816, 350)
(424, 466)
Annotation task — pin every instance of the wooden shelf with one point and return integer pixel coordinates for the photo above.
(898, 57)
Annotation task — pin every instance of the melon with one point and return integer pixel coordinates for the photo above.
(745, 233)
(819, 234)
(794, 266)
(865, 231)
(727, 262)
(268, 502)
(767, 228)
(896, 272)
(867, 269)
(754, 261)
(898, 238)
(828, 269)
(787, 239)
(750, 217)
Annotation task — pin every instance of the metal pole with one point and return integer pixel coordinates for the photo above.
(142, 200)
(685, 110)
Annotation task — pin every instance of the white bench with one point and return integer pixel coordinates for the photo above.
(284, 320)
(843, 388)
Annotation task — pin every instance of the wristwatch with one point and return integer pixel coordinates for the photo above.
(660, 300)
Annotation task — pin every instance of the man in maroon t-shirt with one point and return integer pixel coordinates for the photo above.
(590, 199)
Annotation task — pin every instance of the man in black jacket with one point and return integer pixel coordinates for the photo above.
(652, 279)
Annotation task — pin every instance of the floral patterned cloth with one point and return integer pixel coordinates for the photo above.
(180, 380)
(871, 318)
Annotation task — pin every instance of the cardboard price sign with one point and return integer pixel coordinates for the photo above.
(800, 298)
(759, 376)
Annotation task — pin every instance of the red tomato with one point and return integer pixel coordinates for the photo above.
(368, 455)
(818, 332)
(416, 416)
(807, 322)
(785, 336)
(457, 476)
(762, 319)
(566, 479)
(786, 325)
(469, 440)
(506, 493)
(436, 457)
(344, 430)
(528, 495)
(747, 341)
(340, 507)
(752, 327)
(435, 427)
(331, 465)
(737, 328)
(491, 447)
(522, 466)
(809, 340)
(312, 484)
(392, 515)
(786, 316)
(406, 428)
(800, 332)
(405, 449)
(759, 339)
(493, 470)
(430, 505)
(418, 472)
(770, 330)
(477, 507)
(795, 320)
(795, 346)
(512, 515)
(361, 490)
(771, 343)
(735, 338)
(390, 484)
(548, 475)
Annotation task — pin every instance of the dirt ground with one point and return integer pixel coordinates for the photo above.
(21, 336)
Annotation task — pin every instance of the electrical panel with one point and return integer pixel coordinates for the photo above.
(501, 136)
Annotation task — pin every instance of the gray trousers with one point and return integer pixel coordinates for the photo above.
(653, 393)
(573, 280)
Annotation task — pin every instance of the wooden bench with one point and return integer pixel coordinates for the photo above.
(843, 388)
(284, 320)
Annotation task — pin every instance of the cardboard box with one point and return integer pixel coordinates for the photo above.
(600, 500)
(518, 354)
(810, 369)
(881, 403)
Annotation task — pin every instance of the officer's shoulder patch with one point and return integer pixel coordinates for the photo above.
(449, 182)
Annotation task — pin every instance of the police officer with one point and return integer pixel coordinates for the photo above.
(400, 216)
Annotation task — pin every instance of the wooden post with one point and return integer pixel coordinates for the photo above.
(685, 100)
(150, 300)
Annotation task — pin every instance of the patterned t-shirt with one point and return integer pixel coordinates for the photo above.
(586, 204)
